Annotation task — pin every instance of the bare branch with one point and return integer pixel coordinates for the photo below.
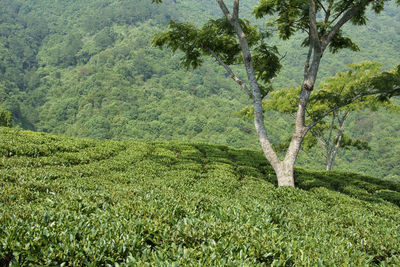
(225, 10)
(236, 10)
(328, 12)
(345, 116)
(229, 70)
(338, 115)
(345, 18)
(319, 2)
(313, 27)
(315, 122)
(337, 16)
(328, 148)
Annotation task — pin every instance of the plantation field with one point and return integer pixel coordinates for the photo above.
(74, 202)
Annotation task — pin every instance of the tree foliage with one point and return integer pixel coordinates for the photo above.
(365, 82)
(5, 118)
(293, 16)
(218, 37)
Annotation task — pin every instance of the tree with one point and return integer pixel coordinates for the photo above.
(228, 38)
(5, 118)
(338, 90)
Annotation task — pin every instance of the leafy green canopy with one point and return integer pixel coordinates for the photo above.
(5, 118)
(365, 81)
(218, 38)
(363, 86)
(290, 16)
(388, 84)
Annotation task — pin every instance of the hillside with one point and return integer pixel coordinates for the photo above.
(87, 69)
(77, 202)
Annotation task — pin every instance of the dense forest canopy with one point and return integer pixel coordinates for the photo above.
(86, 68)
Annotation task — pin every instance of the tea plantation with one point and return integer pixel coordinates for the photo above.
(74, 202)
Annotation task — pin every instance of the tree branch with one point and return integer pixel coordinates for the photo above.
(229, 70)
(328, 12)
(337, 16)
(225, 10)
(345, 104)
(345, 18)
(313, 27)
(236, 9)
(319, 2)
(345, 116)
(330, 133)
(265, 143)
(307, 65)
(338, 140)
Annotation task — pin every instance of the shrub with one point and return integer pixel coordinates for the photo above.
(75, 202)
(389, 195)
(5, 118)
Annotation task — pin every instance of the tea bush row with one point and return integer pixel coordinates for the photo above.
(172, 204)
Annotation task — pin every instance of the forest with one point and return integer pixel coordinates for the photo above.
(88, 69)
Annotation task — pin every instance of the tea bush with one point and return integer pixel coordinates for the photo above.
(75, 202)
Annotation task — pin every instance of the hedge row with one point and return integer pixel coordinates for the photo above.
(73, 202)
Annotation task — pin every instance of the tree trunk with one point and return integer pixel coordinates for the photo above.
(266, 145)
(285, 174)
(338, 140)
(327, 160)
(335, 151)
(283, 169)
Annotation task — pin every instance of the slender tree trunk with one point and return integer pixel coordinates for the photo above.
(327, 144)
(338, 140)
(328, 156)
(328, 160)
(337, 145)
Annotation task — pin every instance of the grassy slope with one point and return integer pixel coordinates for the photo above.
(83, 201)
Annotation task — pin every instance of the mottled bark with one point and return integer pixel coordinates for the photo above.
(285, 174)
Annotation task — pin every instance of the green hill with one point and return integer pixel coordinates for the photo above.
(86, 69)
(74, 202)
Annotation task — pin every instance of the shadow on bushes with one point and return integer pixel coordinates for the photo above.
(355, 185)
